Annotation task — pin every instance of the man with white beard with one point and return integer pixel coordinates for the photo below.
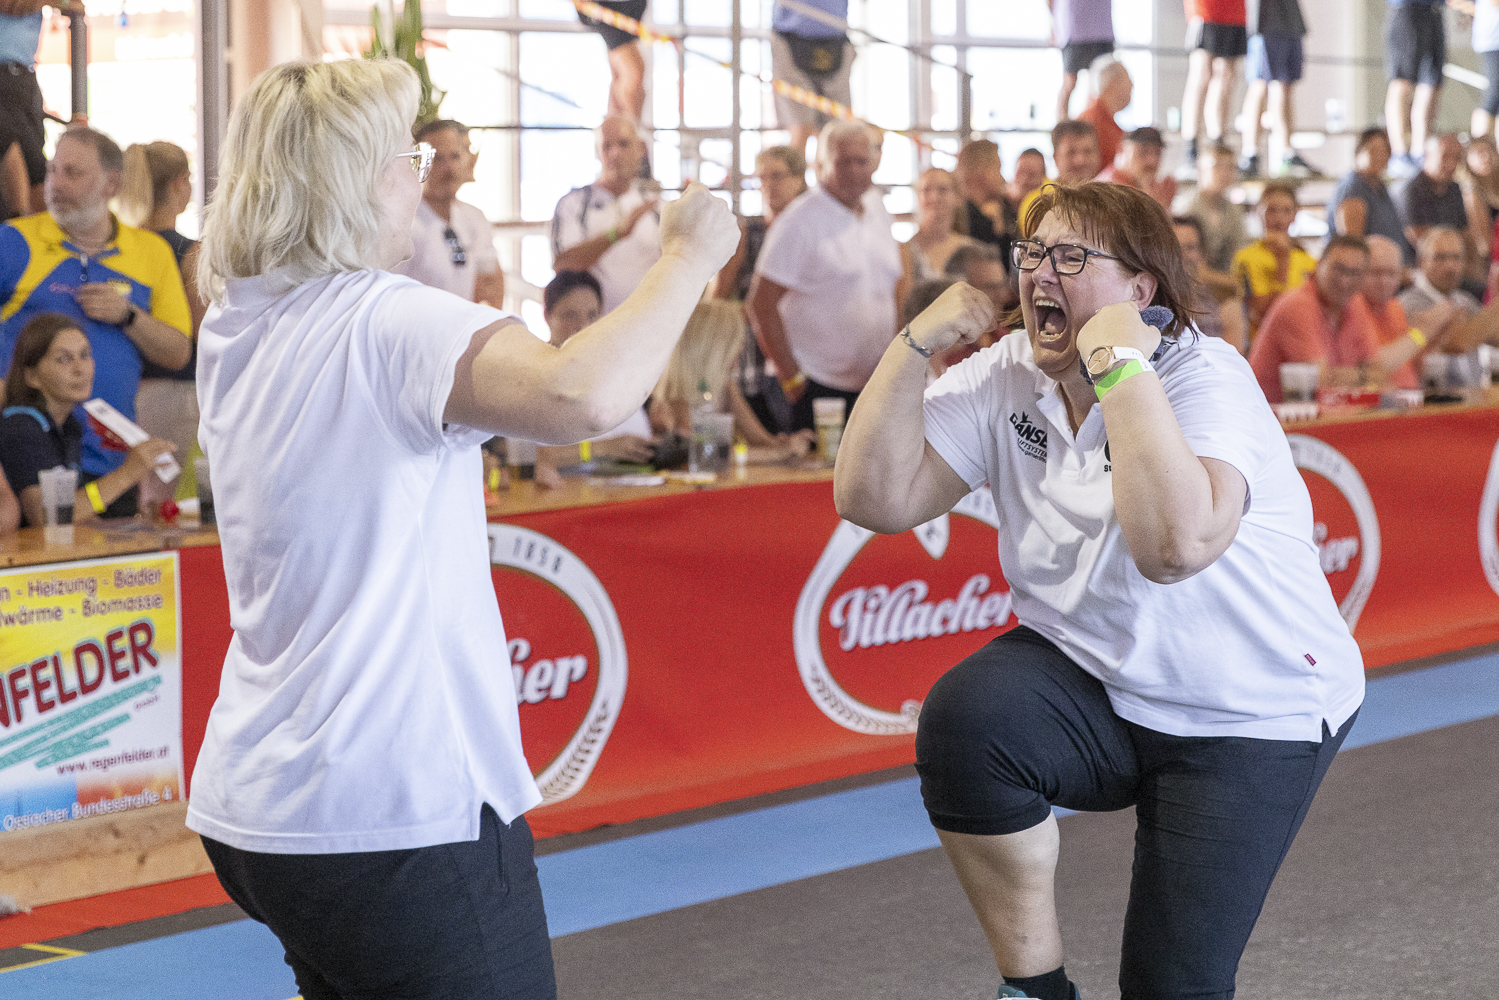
(120, 284)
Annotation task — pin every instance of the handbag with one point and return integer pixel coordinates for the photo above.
(816, 56)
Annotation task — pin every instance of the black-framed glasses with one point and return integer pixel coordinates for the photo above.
(1066, 258)
(457, 254)
(421, 160)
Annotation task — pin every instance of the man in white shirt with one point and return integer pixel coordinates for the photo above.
(612, 227)
(1440, 255)
(454, 245)
(822, 302)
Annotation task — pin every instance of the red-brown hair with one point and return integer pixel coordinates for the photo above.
(1132, 226)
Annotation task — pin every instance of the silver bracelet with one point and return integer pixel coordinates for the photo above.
(906, 333)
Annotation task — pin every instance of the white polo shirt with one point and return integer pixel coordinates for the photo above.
(839, 268)
(431, 261)
(586, 212)
(1251, 646)
(366, 702)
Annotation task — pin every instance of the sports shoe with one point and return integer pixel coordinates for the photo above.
(1249, 166)
(1403, 167)
(1296, 168)
(1010, 991)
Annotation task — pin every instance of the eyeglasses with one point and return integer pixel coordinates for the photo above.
(1065, 257)
(459, 256)
(421, 160)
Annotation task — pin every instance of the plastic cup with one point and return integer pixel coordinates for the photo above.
(1435, 372)
(712, 443)
(1298, 382)
(59, 486)
(827, 417)
(206, 514)
(520, 455)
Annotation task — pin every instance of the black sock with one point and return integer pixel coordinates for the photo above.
(1054, 985)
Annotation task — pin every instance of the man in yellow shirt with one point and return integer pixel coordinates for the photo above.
(1274, 263)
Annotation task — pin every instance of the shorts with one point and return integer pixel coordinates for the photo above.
(1491, 70)
(1274, 57)
(1078, 56)
(1227, 41)
(449, 922)
(834, 86)
(22, 97)
(612, 36)
(1018, 727)
(1415, 43)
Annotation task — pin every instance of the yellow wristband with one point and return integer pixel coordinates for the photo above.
(1417, 336)
(1104, 383)
(92, 489)
(585, 451)
(787, 384)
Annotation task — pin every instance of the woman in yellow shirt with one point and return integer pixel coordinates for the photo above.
(1274, 263)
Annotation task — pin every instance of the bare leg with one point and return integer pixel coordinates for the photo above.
(1220, 89)
(1282, 124)
(1423, 114)
(1010, 881)
(1064, 96)
(1199, 68)
(1397, 115)
(1254, 110)
(627, 89)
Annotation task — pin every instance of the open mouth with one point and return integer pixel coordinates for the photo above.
(1051, 319)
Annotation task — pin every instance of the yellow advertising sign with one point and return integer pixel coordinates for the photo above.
(90, 689)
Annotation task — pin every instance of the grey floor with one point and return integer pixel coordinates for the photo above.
(1391, 890)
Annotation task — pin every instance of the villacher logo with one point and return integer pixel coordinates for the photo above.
(577, 619)
(1031, 437)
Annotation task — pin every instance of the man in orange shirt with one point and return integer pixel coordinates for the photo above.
(1427, 329)
(1327, 322)
(1115, 90)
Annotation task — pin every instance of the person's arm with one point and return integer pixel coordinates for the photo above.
(726, 282)
(888, 478)
(509, 382)
(1231, 316)
(159, 342)
(1178, 512)
(1478, 327)
(626, 448)
(196, 304)
(907, 275)
(586, 254)
(1352, 216)
(490, 288)
(15, 185)
(10, 507)
(139, 463)
(763, 307)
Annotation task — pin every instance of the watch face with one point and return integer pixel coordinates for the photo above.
(1100, 361)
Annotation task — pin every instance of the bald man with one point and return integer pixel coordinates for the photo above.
(1398, 334)
(1115, 91)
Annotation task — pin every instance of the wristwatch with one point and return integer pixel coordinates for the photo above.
(1105, 359)
(130, 313)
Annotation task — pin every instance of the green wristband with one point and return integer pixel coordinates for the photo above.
(1104, 383)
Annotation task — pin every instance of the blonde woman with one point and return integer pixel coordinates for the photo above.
(362, 784)
(1478, 177)
(924, 256)
(156, 188)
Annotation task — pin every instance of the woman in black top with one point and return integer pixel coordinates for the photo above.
(51, 372)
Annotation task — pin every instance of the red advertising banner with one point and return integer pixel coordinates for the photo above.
(682, 650)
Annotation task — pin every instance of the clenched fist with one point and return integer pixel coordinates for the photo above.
(700, 228)
(959, 316)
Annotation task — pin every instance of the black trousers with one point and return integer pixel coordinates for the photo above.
(1018, 726)
(801, 410)
(448, 922)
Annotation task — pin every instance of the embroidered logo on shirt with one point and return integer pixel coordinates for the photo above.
(1031, 437)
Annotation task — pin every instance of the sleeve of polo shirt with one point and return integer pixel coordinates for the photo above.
(1361, 319)
(416, 336)
(567, 222)
(14, 256)
(24, 450)
(1222, 413)
(168, 296)
(486, 261)
(953, 410)
(786, 253)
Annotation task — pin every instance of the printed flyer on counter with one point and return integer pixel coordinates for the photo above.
(90, 689)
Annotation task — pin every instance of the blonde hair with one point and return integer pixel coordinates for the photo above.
(299, 181)
(710, 345)
(149, 173)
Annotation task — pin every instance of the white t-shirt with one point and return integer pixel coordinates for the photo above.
(366, 702)
(586, 212)
(431, 261)
(1485, 27)
(1251, 646)
(840, 269)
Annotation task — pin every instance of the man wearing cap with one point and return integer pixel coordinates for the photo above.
(1139, 164)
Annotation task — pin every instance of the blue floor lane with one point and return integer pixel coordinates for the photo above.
(624, 879)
